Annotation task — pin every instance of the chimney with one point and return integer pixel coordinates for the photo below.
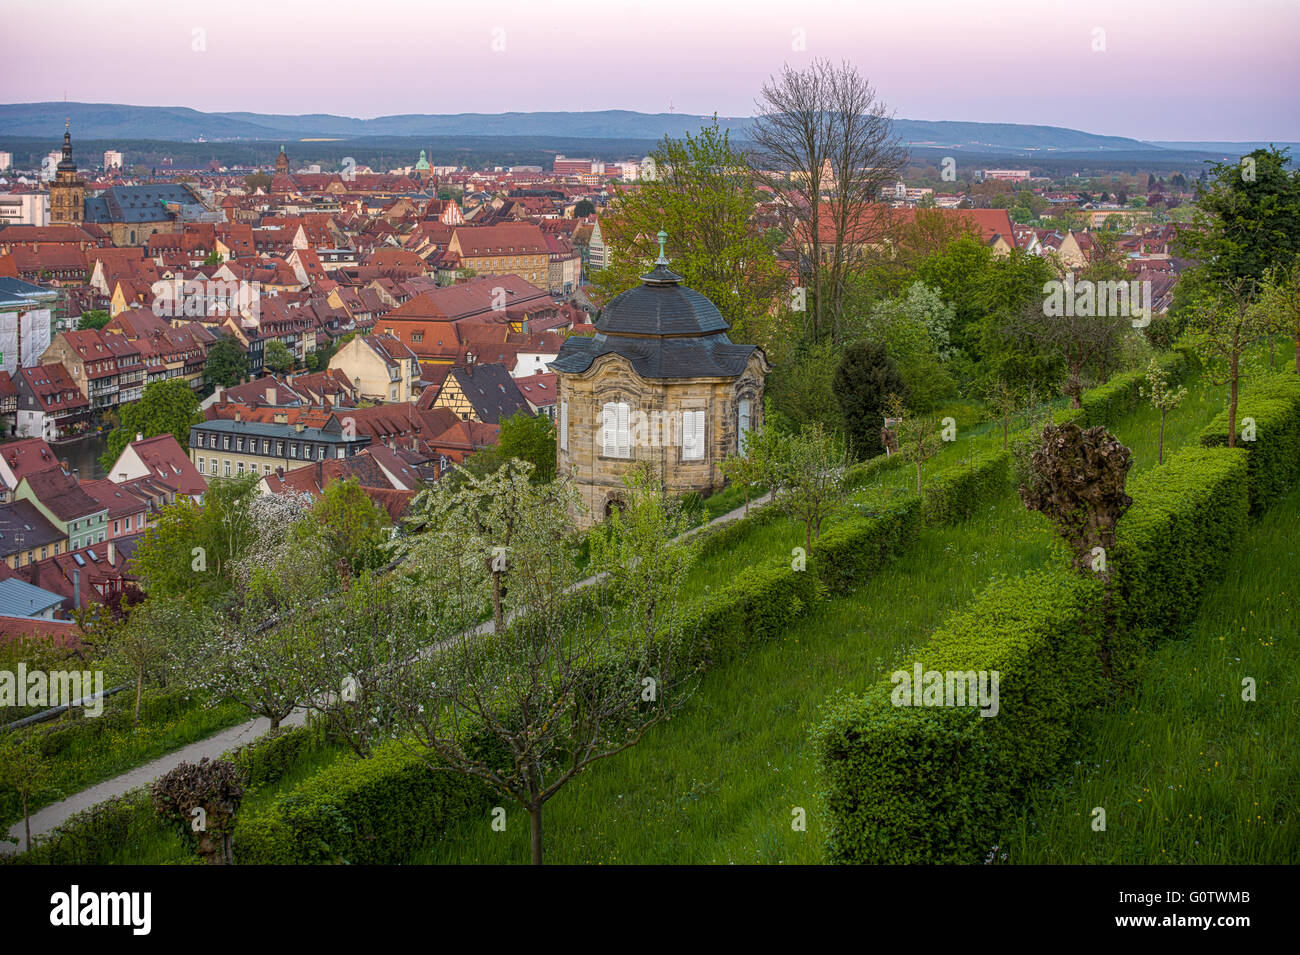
(299, 427)
(239, 416)
(139, 435)
(270, 395)
(112, 554)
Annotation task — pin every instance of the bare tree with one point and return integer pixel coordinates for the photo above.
(824, 127)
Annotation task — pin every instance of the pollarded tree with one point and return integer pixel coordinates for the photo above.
(1076, 480)
(200, 800)
(1163, 397)
(864, 380)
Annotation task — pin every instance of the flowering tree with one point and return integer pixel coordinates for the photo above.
(806, 473)
(1163, 397)
(570, 676)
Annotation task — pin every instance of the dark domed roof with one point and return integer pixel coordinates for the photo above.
(663, 329)
(661, 305)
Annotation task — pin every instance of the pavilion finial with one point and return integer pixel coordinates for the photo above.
(663, 255)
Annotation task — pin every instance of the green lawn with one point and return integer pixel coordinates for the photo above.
(1188, 772)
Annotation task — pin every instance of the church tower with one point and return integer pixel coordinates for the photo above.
(281, 162)
(67, 191)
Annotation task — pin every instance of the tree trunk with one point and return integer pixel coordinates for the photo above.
(498, 617)
(139, 687)
(807, 535)
(275, 723)
(1160, 448)
(1005, 424)
(918, 476)
(1232, 404)
(535, 832)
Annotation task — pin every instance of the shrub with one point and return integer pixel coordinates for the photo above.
(932, 784)
(958, 491)
(854, 550)
(1175, 539)
(1274, 455)
(371, 811)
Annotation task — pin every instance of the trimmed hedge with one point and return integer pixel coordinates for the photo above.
(1173, 541)
(933, 783)
(360, 811)
(754, 607)
(1274, 455)
(1121, 395)
(93, 836)
(859, 474)
(269, 757)
(958, 491)
(853, 551)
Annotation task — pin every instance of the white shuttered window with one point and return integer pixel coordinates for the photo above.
(742, 423)
(615, 429)
(692, 435)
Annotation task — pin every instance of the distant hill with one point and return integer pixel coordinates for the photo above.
(177, 123)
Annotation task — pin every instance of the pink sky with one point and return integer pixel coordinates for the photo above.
(1171, 69)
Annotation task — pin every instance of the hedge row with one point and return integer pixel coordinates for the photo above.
(1274, 405)
(852, 552)
(933, 784)
(910, 784)
(1173, 541)
(269, 757)
(1121, 394)
(958, 491)
(359, 811)
(859, 474)
(95, 835)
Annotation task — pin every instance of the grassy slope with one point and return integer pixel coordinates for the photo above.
(719, 783)
(1189, 773)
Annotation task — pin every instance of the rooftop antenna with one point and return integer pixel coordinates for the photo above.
(670, 105)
